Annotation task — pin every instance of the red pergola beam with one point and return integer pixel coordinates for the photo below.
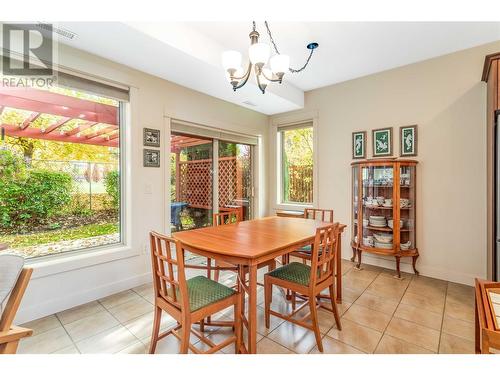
(56, 104)
(27, 122)
(55, 126)
(106, 130)
(80, 128)
(14, 131)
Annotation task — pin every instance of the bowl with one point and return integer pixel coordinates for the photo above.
(382, 245)
(405, 246)
(390, 223)
(365, 222)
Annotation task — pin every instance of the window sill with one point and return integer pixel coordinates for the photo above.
(292, 206)
(71, 261)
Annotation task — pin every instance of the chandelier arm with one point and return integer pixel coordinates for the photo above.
(259, 84)
(244, 77)
(271, 79)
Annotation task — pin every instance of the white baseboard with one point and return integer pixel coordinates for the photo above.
(428, 271)
(58, 304)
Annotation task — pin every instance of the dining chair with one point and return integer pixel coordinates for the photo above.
(315, 214)
(308, 281)
(188, 301)
(232, 217)
(14, 279)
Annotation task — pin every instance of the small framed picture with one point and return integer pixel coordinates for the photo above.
(408, 140)
(382, 142)
(359, 145)
(151, 158)
(151, 137)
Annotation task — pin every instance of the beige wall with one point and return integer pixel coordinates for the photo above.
(64, 282)
(447, 100)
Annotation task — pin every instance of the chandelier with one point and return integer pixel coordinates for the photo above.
(266, 69)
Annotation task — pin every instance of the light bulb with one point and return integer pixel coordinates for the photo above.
(259, 53)
(280, 63)
(231, 60)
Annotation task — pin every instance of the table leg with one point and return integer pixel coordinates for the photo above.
(338, 271)
(252, 310)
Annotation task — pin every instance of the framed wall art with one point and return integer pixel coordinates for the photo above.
(408, 140)
(359, 145)
(151, 137)
(382, 142)
(151, 158)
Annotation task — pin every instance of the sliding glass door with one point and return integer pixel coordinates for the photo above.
(198, 188)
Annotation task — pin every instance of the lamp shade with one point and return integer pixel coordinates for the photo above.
(259, 53)
(238, 73)
(231, 60)
(280, 63)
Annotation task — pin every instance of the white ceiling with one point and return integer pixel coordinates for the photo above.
(189, 53)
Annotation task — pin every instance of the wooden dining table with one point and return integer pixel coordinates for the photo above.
(250, 243)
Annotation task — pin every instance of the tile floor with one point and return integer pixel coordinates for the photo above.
(380, 314)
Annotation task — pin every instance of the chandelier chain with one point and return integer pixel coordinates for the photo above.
(277, 52)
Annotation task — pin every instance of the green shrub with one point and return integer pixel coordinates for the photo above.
(33, 198)
(11, 165)
(112, 183)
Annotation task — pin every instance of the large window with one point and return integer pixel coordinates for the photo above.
(296, 164)
(60, 180)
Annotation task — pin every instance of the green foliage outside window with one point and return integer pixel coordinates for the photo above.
(112, 183)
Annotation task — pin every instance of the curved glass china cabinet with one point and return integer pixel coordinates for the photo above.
(384, 209)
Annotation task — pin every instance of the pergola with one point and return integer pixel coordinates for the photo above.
(96, 123)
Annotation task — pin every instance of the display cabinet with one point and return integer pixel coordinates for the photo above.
(384, 204)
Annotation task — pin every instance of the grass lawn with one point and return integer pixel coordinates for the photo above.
(40, 238)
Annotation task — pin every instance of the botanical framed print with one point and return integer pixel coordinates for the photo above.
(382, 142)
(151, 137)
(408, 140)
(359, 145)
(151, 158)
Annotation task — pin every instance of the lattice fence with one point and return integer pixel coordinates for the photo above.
(195, 181)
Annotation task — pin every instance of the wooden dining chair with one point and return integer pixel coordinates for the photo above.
(233, 217)
(188, 301)
(14, 280)
(315, 214)
(307, 281)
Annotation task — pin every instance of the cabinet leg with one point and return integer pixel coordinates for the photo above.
(353, 259)
(358, 266)
(398, 261)
(413, 263)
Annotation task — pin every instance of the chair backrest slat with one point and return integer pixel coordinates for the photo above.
(169, 279)
(324, 252)
(226, 217)
(319, 214)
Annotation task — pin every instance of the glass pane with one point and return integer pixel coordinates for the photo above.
(235, 178)
(59, 174)
(297, 165)
(407, 208)
(377, 207)
(191, 182)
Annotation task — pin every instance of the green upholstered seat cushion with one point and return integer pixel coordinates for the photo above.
(305, 249)
(294, 272)
(203, 292)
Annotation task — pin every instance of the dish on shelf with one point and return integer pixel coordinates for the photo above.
(368, 241)
(383, 237)
(365, 222)
(405, 246)
(378, 221)
(404, 203)
(382, 245)
(390, 223)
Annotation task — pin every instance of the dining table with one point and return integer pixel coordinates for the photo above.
(247, 244)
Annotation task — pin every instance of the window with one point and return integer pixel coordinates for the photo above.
(296, 164)
(60, 163)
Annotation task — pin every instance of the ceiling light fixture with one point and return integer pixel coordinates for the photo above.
(267, 69)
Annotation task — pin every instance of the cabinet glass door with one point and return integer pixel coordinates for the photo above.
(407, 207)
(355, 205)
(378, 204)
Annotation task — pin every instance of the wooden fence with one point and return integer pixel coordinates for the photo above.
(300, 183)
